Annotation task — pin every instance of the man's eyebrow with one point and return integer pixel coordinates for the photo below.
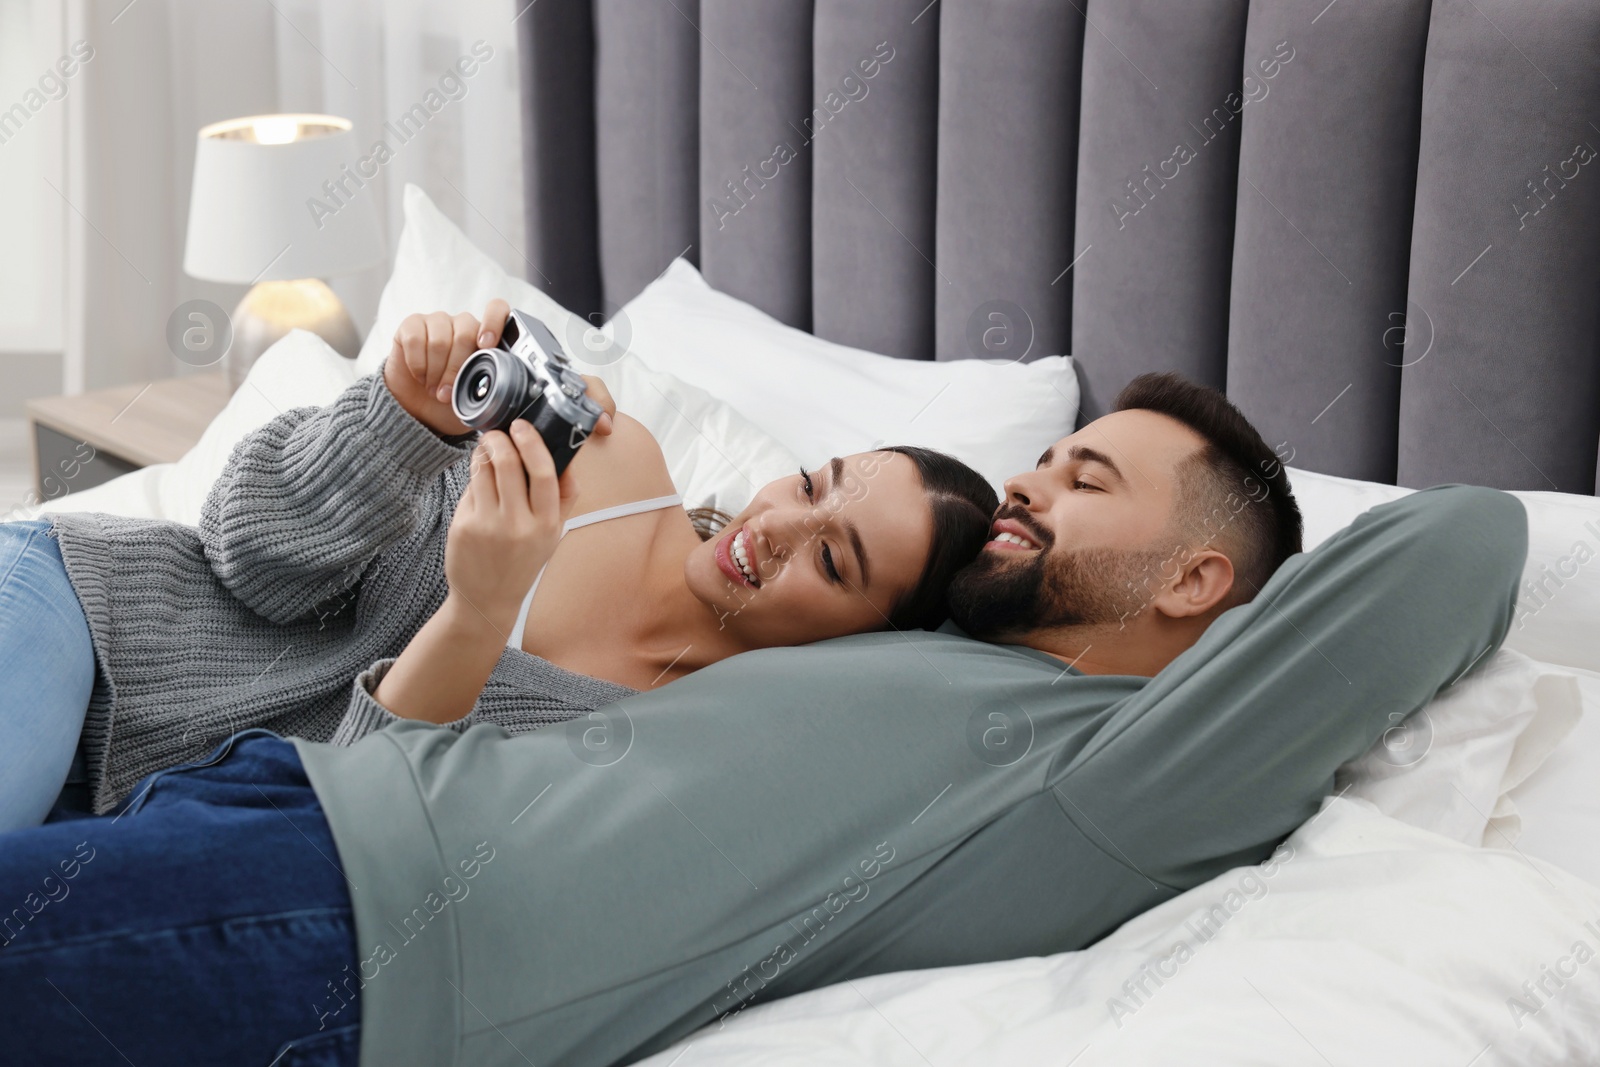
(1044, 460)
(1085, 454)
(836, 470)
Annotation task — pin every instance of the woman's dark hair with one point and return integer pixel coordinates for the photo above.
(708, 521)
(963, 505)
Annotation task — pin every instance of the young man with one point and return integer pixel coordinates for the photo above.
(1172, 688)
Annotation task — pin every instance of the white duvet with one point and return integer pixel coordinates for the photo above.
(1363, 941)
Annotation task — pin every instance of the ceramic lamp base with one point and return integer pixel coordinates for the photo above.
(271, 309)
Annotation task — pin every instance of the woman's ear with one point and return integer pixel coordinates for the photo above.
(1204, 582)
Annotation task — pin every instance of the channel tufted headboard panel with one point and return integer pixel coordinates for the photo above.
(1375, 223)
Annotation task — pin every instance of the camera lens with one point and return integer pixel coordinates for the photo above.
(492, 388)
(478, 386)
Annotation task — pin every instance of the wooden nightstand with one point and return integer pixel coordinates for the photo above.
(82, 441)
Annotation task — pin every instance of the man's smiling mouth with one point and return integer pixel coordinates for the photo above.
(1008, 535)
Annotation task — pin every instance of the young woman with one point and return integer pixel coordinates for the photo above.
(376, 539)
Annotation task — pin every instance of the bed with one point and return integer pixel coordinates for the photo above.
(1380, 242)
(1367, 222)
(1456, 862)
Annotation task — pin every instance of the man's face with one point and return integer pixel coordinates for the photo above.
(1093, 522)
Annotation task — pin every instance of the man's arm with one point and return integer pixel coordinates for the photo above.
(1232, 745)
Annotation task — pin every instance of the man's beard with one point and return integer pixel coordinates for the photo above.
(998, 595)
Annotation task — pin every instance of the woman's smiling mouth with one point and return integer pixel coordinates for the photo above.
(736, 559)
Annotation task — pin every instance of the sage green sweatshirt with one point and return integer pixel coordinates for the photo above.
(592, 892)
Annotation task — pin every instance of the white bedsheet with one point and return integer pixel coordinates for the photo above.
(1367, 942)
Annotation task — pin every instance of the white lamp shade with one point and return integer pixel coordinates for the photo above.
(262, 208)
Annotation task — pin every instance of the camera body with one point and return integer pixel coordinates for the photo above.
(527, 376)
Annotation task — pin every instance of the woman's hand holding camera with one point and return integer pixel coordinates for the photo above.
(505, 529)
(506, 524)
(429, 350)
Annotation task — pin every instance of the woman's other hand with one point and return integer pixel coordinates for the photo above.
(428, 351)
(506, 524)
(601, 395)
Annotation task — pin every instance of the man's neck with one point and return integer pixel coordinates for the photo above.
(1137, 650)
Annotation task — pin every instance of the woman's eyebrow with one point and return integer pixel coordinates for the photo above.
(835, 479)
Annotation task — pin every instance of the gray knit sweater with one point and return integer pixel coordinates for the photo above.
(319, 553)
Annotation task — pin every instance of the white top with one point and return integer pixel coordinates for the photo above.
(638, 507)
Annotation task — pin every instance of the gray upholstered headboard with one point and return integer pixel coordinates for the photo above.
(1375, 223)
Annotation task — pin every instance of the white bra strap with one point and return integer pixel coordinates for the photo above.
(619, 511)
(515, 640)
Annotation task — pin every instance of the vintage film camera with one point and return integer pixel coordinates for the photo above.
(527, 376)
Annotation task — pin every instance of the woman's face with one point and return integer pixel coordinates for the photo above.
(820, 554)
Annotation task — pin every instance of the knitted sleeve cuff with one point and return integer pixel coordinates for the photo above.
(414, 446)
(365, 715)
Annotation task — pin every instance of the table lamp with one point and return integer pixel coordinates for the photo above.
(276, 206)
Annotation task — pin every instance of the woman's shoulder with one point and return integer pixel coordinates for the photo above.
(624, 466)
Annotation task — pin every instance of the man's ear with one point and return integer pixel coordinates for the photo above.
(1205, 581)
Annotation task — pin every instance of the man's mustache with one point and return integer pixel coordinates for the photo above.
(1020, 515)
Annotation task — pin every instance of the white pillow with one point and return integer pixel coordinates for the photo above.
(1449, 767)
(1558, 608)
(300, 370)
(823, 399)
(1558, 806)
(437, 268)
(717, 457)
(1328, 504)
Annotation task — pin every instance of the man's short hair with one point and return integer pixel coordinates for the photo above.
(1233, 492)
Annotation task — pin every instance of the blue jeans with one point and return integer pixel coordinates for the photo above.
(46, 673)
(208, 922)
